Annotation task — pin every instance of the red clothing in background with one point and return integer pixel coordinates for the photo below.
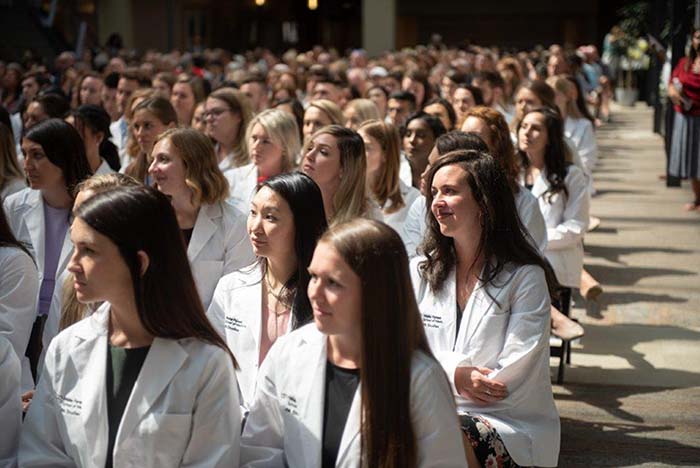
(691, 86)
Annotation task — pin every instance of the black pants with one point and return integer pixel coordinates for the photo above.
(35, 346)
(563, 301)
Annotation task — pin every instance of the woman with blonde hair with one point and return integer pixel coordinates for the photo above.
(320, 113)
(359, 111)
(187, 92)
(382, 148)
(130, 150)
(227, 114)
(150, 117)
(273, 142)
(335, 160)
(184, 167)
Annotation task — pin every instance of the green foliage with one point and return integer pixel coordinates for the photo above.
(634, 18)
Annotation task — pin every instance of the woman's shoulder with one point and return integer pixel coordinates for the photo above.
(575, 174)
(241, 278)
(21, 200)
(12, 258)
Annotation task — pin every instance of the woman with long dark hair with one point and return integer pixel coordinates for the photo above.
(145, 380)
(256, 305)
(92, 122)
(484, 291)
(11, 176)
(185, 168)
(330, 393)
(418, 140)
(561, 190)
(39, 215)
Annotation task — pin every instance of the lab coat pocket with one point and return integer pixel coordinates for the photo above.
(165, 437)
(207, 274)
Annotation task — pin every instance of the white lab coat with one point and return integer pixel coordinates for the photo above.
(183, 410)
(219, 245)
(510, 336)
(12, 186)
(396, 219)
(10, 403)
(566, 218)
(104, 169)
(531, 217)
(19, 291)
(242, 182)
(236, 313)
(581, 133)
(415, 225)
(119, 133)
(285, 425)
(25, 215)
(405, 172)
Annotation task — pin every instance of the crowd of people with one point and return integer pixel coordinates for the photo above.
(223, 260)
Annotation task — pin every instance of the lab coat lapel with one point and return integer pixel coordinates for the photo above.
(90, 360)
(162, 363)
(66, 251)
(204, 229)
(540, 185)
(352, 428)
(35, 224)
(478, 305)
(314, 391)
(251, 305)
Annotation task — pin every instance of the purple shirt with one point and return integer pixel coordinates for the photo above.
(56, 226)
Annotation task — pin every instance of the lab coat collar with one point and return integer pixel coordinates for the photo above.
(204, 228)
(314, 344)
(540, 185)
(35, 221)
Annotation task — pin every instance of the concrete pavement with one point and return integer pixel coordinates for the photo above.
(632, 394)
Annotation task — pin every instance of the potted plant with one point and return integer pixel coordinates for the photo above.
(632, 50)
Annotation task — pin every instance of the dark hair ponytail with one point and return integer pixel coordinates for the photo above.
(97, 120)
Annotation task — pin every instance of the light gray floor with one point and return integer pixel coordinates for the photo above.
(632, 394)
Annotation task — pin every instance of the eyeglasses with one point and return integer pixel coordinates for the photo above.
(214, 113)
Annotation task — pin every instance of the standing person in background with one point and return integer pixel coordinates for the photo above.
(39, 215)
(228, 114)
(273, 141)
(154, 381)
(258, 304)
(327, 396)
(187, 92)
(184, 167)
(684, 92)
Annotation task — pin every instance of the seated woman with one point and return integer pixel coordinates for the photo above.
(256, 305)
(382, 148)
(329, 394)
(493, 129)
(11, 176)
(150, 118)
(418, 140)
(415, 225)
(185, 168)
(443, 110)
(187, 93)
(335, 160)
(227, 116)
(359, 111)
(562, 194)
(273, 143)
(92, 122)
(146, 380)
(318, 114)
(39, 216)
(484, 293)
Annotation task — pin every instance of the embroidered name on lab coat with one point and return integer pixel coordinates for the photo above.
(69, 405)
(432, 321)
(234, 324)
(290, 404)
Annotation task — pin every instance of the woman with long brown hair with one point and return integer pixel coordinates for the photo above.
(484, 292)
(145, 380)
(329, 394)
(227, 114)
